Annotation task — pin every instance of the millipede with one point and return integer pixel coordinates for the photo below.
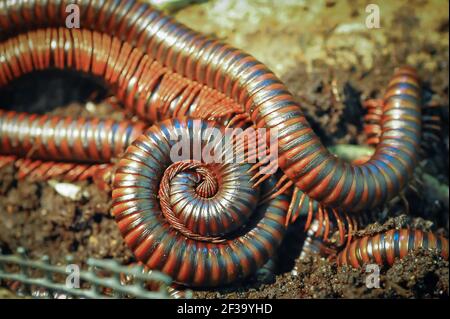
(204, 224)
(45, 147)
(65, 138)
(66, 49)
(431, 124)
(146, 88)
(385, 247)
(240, 77)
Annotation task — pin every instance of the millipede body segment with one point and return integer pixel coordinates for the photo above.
(143, 85)
(385, 247)
(64, 138)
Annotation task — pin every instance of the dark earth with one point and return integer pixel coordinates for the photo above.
(35, 216)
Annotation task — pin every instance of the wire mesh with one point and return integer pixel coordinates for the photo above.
(102, 279)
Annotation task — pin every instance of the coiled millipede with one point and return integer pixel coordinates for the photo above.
(227, 235)
(160, 70)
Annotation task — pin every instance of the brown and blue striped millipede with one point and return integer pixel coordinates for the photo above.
(106, 58)
(226, 206)
(145, 87)
(161, 69)
(304, 205)
(227, 234)
(64, 138)
(302, 157)
(385, 247)
(55, 138)
(431, 124)
(45, 147)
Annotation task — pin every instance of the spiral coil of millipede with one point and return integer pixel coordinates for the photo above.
(204, 224)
